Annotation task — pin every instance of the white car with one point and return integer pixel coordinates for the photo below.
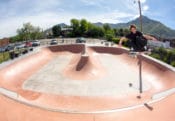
(36, 43)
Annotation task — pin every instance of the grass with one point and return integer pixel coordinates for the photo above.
(4, 56)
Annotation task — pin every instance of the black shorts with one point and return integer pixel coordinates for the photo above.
(138, 45)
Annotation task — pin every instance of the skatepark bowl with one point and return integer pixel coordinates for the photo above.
(80, 82)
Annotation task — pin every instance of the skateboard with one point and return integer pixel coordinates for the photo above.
(135, 53)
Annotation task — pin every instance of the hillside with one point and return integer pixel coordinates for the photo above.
(149, 26)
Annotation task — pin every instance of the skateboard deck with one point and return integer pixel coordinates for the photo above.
(135, 53)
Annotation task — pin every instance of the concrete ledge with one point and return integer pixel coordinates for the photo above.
(163, 94)
(8, 93)
(14, 96)
(157, 63)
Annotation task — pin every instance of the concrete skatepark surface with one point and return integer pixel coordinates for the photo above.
(92, 83)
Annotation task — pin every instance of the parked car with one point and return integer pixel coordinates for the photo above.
(2, 49)
(53, 42)
(21, 48)
(36, 43)
(80, 40)
(29, 46)
(9, 48)
(19, 45)
(14, 53)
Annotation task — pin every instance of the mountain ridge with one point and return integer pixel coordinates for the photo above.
(152, 27)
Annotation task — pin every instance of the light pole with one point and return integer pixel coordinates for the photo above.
(140, 76)
(140, 12)
(140, 61)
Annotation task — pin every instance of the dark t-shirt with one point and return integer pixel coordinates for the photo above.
(137, 41)
(133, 37)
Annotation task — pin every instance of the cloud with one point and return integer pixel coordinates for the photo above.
(43, 20)
(145, 7)
(87, 2)
(48, 13)
(143, 1)
(47, 20)
(94, 2)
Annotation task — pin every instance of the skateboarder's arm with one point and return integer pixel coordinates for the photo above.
(148, 37)
(123, 39)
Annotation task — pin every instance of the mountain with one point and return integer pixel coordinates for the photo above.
(149, 27)
(62, 25)
(101, 24)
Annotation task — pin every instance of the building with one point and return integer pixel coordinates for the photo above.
(159, 44)
(172, 43)
(65, 31)
(4, 42)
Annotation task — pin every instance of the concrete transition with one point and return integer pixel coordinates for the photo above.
(87, 83)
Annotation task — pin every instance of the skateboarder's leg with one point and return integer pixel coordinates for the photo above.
(141, 44)
(133, 46)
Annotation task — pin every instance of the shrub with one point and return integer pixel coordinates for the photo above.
(109, 37)
(173, 63)
(154, 55)
(116, 40)
(167, 56)
(4, 57)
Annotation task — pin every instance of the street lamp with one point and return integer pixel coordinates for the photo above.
(140, 12)
(140, 61)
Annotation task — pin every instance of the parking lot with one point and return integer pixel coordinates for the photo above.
(16, 50)
(46, 42)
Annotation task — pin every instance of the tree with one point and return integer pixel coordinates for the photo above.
(76, 27)
(37, 34)
(15, 39)
(126, 32)
(109, 35)
(115, 32)
(83, 26)
(94, 31)
(56, 30)
(106, 27)
(28, 32)
(121, 32)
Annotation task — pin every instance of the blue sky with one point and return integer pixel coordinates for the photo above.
(46, 13)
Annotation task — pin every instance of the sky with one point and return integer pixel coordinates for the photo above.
(46, 13)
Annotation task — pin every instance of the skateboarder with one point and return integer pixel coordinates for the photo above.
(137, 40)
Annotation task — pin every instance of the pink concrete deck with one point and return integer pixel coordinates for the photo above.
(37, 106)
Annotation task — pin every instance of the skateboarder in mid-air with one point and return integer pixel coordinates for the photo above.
(137, 41)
